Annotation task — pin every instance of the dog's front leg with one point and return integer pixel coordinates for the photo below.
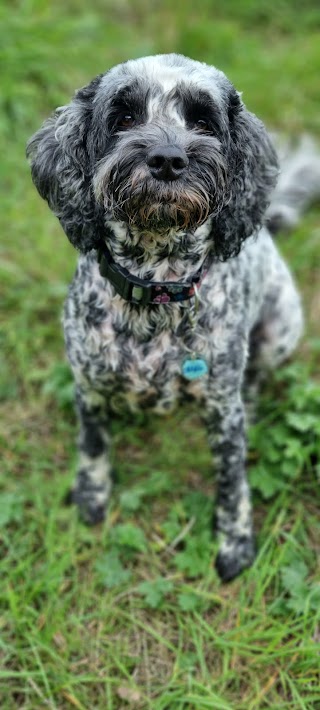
(93, 483)
(225, 422)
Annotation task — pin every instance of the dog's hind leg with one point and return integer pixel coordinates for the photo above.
(280, 326)
(275, 334)
(93, 483)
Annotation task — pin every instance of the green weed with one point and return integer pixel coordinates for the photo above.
(287, 436)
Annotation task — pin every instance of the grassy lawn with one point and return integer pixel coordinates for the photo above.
(132, 614)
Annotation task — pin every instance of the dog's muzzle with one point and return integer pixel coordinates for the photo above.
(156, 184)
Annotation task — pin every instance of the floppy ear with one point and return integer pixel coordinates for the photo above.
(62, 172)
(252, 174)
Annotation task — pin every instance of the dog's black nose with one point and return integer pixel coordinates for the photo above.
(167, 162)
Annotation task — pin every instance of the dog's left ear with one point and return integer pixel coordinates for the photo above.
(61, 168)
(252, 170)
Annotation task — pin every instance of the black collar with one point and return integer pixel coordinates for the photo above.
(142, 291)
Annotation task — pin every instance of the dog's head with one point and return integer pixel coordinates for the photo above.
(160, 144)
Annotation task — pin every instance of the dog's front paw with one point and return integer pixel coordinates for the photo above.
(91, 491)
(91, 504)
(234, 556)
(91, 510)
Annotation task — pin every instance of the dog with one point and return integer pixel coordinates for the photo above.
(162, 179)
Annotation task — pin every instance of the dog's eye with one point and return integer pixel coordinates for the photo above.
(202, 125)
(126, 121)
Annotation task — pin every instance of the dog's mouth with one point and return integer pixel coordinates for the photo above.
(150, 205)
(155, 212)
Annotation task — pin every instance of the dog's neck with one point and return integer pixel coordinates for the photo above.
(169, 256)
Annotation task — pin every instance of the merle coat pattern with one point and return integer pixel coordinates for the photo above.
(160, 160)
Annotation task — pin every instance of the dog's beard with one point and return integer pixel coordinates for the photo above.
(160, 208)
(152, 205)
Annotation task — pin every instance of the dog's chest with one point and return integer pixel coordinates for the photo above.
(115, 356)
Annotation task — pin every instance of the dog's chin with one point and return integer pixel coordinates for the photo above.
(149, 213)
(159, 217)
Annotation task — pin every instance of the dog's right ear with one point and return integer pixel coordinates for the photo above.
(61, 169)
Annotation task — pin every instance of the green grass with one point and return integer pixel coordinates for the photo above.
(132, 614)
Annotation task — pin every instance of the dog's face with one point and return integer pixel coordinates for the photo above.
(163, 161)
(160, 143)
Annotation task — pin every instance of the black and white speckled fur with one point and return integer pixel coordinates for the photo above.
(89, 162)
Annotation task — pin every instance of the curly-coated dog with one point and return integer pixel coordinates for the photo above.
(161, 178)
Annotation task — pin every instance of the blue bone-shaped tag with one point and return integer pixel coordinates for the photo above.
(194, 368)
